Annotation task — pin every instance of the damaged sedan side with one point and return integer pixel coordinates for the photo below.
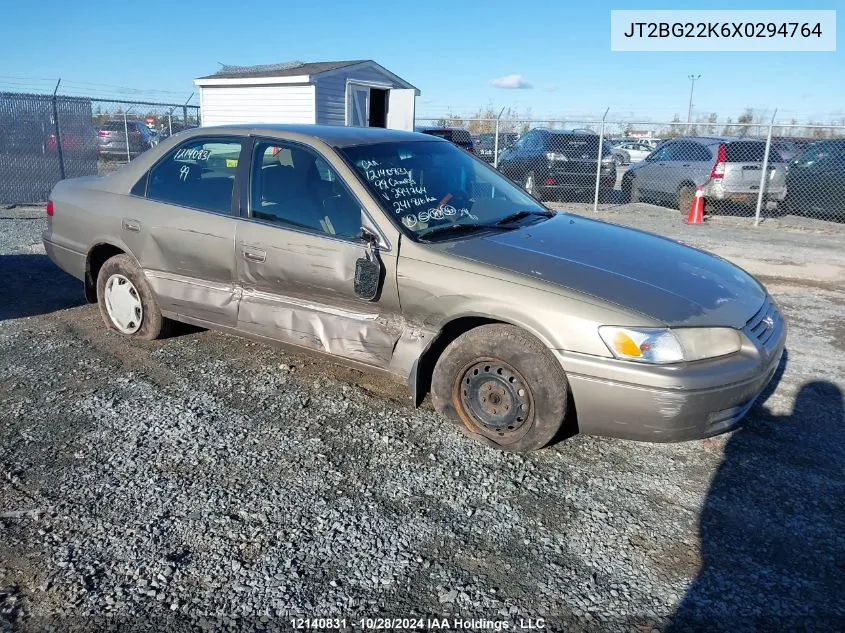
(399, 253)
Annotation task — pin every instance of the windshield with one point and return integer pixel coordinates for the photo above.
(425, 184)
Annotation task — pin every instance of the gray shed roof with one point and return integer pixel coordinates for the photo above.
(286, 69)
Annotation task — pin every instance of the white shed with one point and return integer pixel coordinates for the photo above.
(358, 93)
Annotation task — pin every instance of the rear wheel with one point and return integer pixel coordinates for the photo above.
(686, 195)
(503, 386)
(126, 301)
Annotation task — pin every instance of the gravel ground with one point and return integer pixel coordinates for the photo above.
(205, 482)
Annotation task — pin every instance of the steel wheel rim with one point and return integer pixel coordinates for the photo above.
(495, 400)
(123, 304)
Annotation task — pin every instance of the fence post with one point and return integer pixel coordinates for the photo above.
(170, 122)
(496, 141)
(185, 111)
(598, 163)
(58, 133)
(126, 132)
(765, 174)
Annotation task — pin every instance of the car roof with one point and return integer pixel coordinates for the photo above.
(334, 135)
(715, 139)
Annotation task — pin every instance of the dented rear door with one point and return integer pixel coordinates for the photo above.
(183, 230)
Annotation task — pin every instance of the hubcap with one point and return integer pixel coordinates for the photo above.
(123, 304)
(496, 397)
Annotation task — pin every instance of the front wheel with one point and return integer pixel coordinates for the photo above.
(503, 386)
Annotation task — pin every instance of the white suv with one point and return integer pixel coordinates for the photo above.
(728, 168)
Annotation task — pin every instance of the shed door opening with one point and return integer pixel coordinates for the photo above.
(357, 105)
(365, 106)
(378, 107)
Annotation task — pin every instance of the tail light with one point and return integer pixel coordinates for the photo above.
(103, 133)
(50, 208)
(718, 170)
(549, 181)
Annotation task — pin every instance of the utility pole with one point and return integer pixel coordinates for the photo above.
(693, 79)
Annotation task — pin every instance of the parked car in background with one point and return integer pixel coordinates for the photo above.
(485, 145)
(728, 168)
(548, 163)
(635, 150)
(77, 143)
(457, 135)
(620, 155)
(174, 127)
(112, 140)
(518, 318)
(815, 183)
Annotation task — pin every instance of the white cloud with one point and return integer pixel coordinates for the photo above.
(511, 82)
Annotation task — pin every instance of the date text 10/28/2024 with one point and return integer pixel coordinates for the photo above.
(416, 624)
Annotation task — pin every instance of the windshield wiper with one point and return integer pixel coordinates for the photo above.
(467, 226)
(518, 215)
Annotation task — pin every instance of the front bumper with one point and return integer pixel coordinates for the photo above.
(670, 403)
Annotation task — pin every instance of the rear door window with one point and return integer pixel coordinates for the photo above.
(691, 152)
(199, 174)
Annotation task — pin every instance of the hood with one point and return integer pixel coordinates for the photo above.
(646, 273)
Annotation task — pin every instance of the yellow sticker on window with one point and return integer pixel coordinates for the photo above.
(231, 162)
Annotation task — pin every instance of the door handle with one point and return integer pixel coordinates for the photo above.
(254, 254)
(131, 225)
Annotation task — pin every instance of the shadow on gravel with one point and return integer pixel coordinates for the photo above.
(30, 284)
(772, 527)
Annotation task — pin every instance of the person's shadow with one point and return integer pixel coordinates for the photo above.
(772, 528)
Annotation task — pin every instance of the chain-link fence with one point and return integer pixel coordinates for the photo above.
(755, 170)
(45, 138)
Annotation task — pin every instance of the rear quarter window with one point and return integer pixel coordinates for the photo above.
(750, 152)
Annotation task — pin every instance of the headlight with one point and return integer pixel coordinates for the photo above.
(663, 345)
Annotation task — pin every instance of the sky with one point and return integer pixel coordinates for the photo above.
(461, 55)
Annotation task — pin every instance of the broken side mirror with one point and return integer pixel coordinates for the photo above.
(368, 269)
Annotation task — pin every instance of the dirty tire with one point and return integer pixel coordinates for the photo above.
(499, 361)
(153, 324)
(686, 194)
(630, 191)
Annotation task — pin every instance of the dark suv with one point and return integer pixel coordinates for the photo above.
(815, 182)
(458, 135)
(548, 163)
(111, 138)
